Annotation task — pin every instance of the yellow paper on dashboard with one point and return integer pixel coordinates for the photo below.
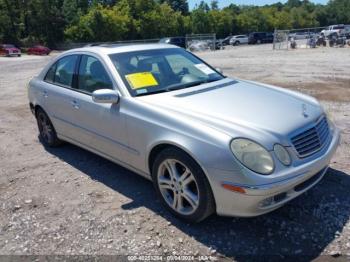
(141, 80)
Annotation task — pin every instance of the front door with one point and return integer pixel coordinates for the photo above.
(99, 126)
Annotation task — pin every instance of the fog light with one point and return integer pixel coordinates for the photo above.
(267, 202)
(282, 155)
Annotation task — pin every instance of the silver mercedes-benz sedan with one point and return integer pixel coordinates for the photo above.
(208, 142)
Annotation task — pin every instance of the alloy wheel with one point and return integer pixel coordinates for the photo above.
(45, 128)
(178, 186)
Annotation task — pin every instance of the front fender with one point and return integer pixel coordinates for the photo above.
(148, 127)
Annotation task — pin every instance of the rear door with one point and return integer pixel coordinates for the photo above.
(57, 94)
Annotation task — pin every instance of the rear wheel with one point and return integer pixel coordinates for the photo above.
(46, 130)
(182, 185)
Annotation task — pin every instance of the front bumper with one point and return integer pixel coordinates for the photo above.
(264, 198)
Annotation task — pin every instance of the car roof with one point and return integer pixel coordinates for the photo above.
(108, 49)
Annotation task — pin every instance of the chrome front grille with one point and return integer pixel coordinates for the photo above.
(313, 139)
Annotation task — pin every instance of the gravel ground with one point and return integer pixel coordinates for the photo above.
(67, 201)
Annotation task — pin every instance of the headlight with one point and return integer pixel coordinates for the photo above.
(282, 154)
(253, 156)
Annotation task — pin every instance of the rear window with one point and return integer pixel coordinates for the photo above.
(50, 76)
(62, 71)
(338, 27)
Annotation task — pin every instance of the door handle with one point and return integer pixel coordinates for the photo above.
(75, 104)
(45, 94)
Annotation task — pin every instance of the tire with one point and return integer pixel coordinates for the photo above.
(187, 181)
(47, 132)
(259, 42)
(237, 43)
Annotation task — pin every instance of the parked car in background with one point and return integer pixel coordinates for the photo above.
(239, 40)
(178, 41)
(9, 50)
(39, 50)
(208, 142)
(218, 45)
(336, 30)
(260, 38)
(226, 41)
(302, 35)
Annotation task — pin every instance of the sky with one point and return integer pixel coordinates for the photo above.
(223, 3)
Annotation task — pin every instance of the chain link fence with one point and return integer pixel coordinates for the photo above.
(202, 42)
(308, 38)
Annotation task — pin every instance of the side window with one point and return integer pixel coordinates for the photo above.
(65, 70)
(50, 76)
(92, 75)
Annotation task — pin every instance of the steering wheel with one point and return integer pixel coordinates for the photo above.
(183, 72)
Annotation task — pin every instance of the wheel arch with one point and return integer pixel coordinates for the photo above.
(36, 108)
(159, 147)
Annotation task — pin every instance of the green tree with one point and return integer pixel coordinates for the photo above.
(221, 23)
(200, 21)
(214, 5)
(338, 12)
(100, 24)
(177, 5)
(203, 6)
(55, 21)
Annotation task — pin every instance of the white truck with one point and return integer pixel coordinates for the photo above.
(336, 30)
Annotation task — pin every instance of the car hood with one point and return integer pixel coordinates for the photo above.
(242, 108)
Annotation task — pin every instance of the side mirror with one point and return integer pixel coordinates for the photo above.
(105, 96)
(219, 70)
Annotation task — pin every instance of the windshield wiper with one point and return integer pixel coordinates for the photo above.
(179, 86)
(152, 93)
(188, 85)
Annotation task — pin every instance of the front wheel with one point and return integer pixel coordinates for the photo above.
(46, 130)
(182, 186)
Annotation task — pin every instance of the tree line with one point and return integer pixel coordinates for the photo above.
(25, 22)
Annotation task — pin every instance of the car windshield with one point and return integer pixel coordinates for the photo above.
(163, 70)
(8, 46)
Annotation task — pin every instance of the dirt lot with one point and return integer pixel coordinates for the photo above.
(68, 201)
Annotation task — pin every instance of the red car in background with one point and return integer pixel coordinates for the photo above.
(38, 50)
(9, 50)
